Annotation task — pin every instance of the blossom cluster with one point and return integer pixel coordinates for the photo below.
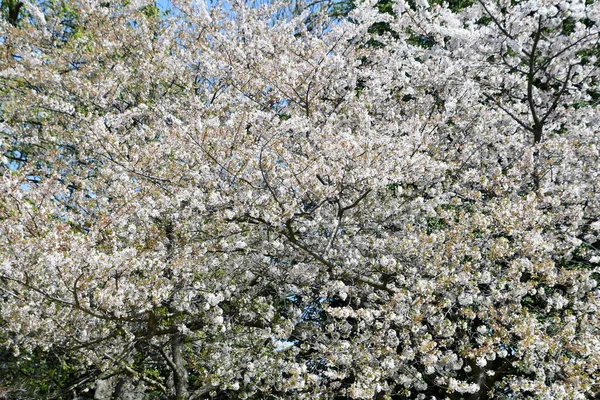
(228, 202)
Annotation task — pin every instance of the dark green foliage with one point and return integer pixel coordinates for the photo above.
(342, 9)
(568, 26)
(11, 11)
(386, 7)
(420, 40)
(455, 5)
(41, 375)
(150, 11)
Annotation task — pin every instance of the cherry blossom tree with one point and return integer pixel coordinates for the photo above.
(235, 202)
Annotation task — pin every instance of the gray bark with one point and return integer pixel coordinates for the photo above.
(180, 377)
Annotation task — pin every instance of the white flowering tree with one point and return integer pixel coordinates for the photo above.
(230, 203)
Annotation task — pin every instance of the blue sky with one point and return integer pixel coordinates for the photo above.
(164, 4)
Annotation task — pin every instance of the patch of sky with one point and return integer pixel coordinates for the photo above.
(164, 5)
(14, 160)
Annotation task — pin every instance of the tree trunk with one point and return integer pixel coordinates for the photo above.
(180, 377)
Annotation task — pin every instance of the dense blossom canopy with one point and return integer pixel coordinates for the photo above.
(235, 202)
